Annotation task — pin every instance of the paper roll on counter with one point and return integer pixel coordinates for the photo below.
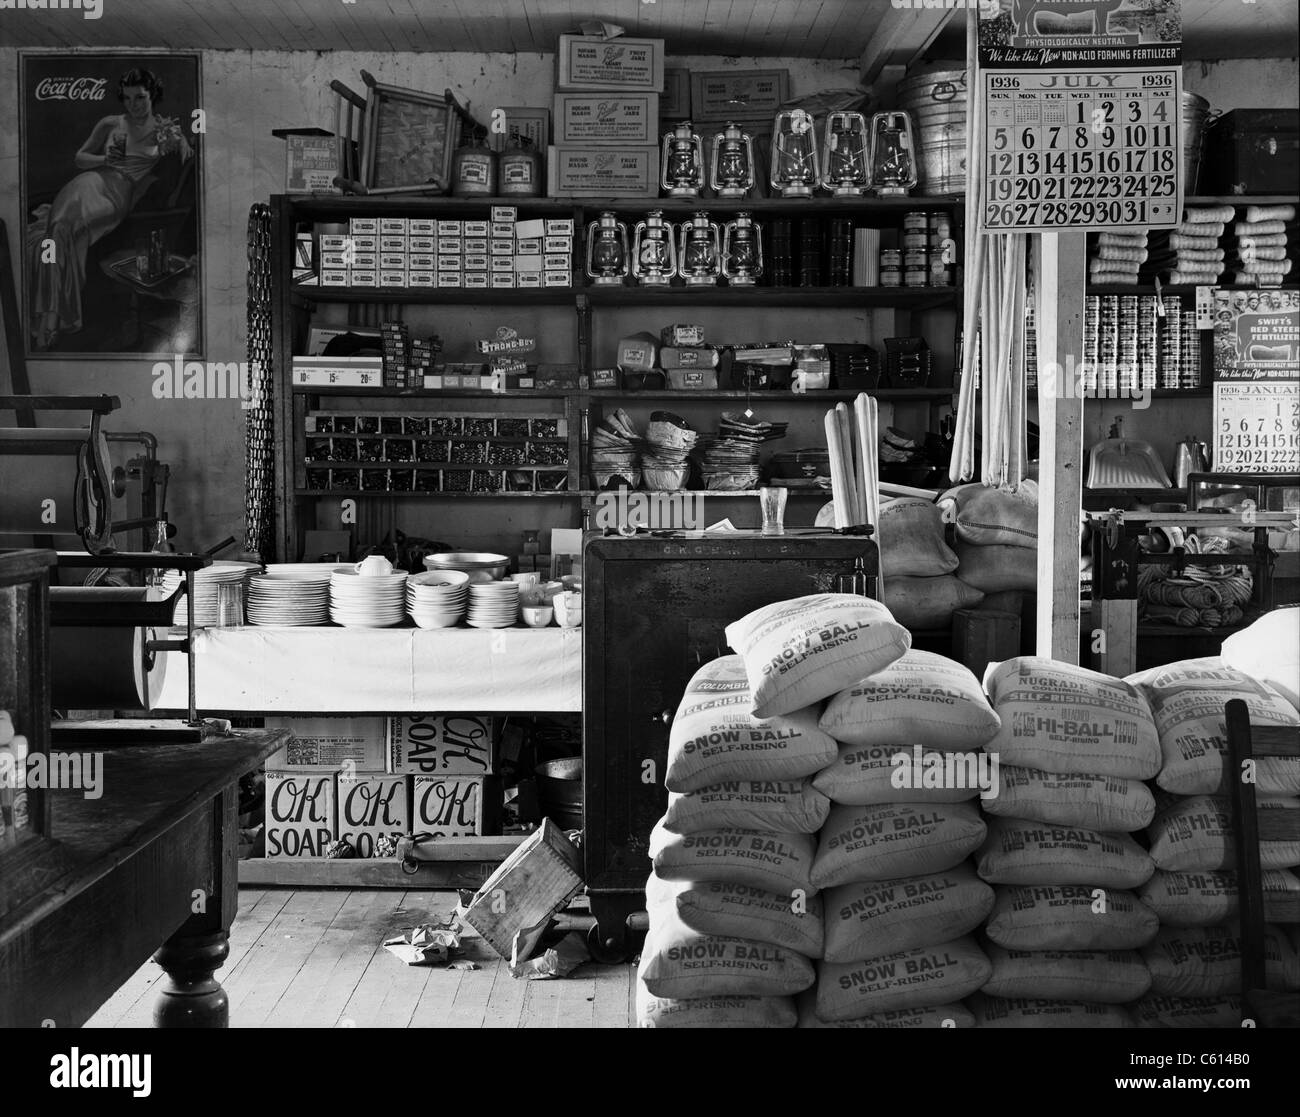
(104, 667)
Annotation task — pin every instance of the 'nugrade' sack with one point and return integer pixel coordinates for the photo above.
(677, 962)
(919, 699)
(1098, 976)
(1018, 851)
(1196, 835)
(864, 774)
(1060, 718)
(783, 806)
(1071, 799)
(713, 1012)
(997, 567)
(1187, 700)
(936, 1016)
(742, 911)
(894, 840)
(998, 1012)
(870, 917)
(780, 863)
(1070, 917)
(911, 538)
(1206, 961)
(992, 516)
(922, 978)
(1156, 1010)
(924, 603)
(1205, 899)
(802, 651)
(715, 737)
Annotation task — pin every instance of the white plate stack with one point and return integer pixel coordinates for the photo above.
(493, 604)
(438, 598)
(206, 583)
(288, 598)
(367, 600)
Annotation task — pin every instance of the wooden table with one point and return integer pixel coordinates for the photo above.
(152, 861)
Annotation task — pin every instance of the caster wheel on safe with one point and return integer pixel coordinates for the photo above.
(607, 950)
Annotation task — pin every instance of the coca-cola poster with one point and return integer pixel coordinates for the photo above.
(112, 235)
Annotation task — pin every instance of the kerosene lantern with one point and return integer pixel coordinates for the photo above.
(844, 160)
(699, 251)
(731, 168)
(607, 255)
(654, 255)
(794, 154)
(892, 155)
(683, 162)
(742, 251)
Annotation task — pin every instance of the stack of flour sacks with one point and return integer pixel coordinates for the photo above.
(787, 841)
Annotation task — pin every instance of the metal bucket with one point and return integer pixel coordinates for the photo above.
(1194, 114)
(559, 791)
(936, 102)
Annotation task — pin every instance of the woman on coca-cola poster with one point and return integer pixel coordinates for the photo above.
(112, 253)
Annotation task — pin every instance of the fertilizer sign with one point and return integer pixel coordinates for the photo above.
(1081, 115)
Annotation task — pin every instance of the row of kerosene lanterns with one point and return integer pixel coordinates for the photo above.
(699, 251)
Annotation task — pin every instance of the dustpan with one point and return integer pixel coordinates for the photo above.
(1125, 463)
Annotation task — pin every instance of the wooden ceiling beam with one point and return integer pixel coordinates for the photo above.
(901, 36)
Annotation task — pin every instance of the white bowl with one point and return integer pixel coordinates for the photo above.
(538, 616)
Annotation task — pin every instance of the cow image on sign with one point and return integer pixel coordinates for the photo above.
(1090, 16)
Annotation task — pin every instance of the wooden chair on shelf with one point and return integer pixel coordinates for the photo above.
(1247, 743)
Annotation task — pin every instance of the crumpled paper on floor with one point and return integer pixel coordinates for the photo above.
(559, 960)
(429, 944)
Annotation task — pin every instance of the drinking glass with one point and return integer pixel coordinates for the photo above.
(772, 502)
(230, 605)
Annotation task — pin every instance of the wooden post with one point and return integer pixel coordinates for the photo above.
(1060, 277)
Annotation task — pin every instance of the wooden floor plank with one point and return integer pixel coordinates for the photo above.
(541, 1003)
(611, 1004)
(505, 1005)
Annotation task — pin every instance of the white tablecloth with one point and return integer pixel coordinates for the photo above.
(380, 670)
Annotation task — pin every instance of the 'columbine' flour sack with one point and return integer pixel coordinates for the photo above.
(922, 978)
(1206, 961)
(742, 911)
(1157, 1011)
(869, 917)
(911, 538)
(783, 806)
(1187, 701)
(923, 603)
(715, 738)
(780, 863)
(713, 1012)
(996, 567)
(1110, 977)
(864, 774)
(1196, 835)
(936, 1016)
(1018, 851)
(1074, 799)
(992, 516)
(920, 699)
(1060, 718)
(997, 1012)
(894, 840)
(1269, 650)
(680, 963)
(801, 651)
(1070, 917)
(1205, 899)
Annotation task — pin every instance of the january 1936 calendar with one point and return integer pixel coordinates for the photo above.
(1081, 116)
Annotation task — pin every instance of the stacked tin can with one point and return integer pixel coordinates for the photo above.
(916, 249)
(1091, 332)
(942, 269)
(1189, 373)
(1108, 345)
(1147, 343)
(891, 267)
(1171, 345)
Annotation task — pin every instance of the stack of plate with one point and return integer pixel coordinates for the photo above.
(493, 604)
(206, 582)
(437, 599)
(367, 600)
(293, 598)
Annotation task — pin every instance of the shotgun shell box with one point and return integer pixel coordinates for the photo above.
(366, 225)
(477, 262)
(474, 245)
(421, 279)
(433, 382)
(505, 213)
(674, 356)
(449, 262)
(367, 242)
(422, 244)
(476, 228)
(394, 278)
(362, 261)
(590, 62)
(476, 279)
(334, 242)
(334, 260)
(528, 264)
(452, 380)
(392, 260)
(502, 229)
(559, 261)
(555, 279)
(503, 280)
(454, 245)
(557, 244)
(392, 244)
(422, 261)
(504, 264)
(682, 335)
(528, 279)
(559, 227)
(393, 226)
(304, 251)
(449, 279)
(450, 228)
(530, 230)
(502, 246)
(334, 277)
(421, 227)
(529, 246)
(362, 278)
